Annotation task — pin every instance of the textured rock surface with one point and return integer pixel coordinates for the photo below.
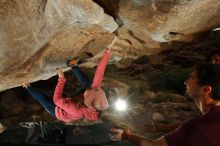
(166, 20)
(151, 85)
(38, 36)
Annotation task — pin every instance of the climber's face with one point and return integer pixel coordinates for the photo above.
(193, 89)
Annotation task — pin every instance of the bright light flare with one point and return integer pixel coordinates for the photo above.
(120, 105)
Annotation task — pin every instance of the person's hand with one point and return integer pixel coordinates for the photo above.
(116, 134)
(110, 46)
(60, 72)
(26, 85)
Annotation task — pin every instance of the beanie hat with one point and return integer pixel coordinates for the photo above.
(96, 98)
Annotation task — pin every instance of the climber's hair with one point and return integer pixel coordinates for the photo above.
(209, 74)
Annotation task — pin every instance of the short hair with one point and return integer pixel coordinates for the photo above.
(216, 52)
(209, 74)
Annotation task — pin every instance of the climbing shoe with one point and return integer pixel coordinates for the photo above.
(72, 62)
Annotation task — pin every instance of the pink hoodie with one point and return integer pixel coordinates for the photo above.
(66, 108)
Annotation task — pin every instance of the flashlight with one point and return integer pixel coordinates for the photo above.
(120, 105)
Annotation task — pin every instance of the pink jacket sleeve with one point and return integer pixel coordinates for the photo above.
(65, 103)
(59, 90)
(101, 70)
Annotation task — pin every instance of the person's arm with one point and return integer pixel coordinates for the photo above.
(159, 142)
(136, 140)
(102, 65)
(96, 85)
(59, 90)
(60, 85)
(159, 127)
(167, 128)
(101, 70)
